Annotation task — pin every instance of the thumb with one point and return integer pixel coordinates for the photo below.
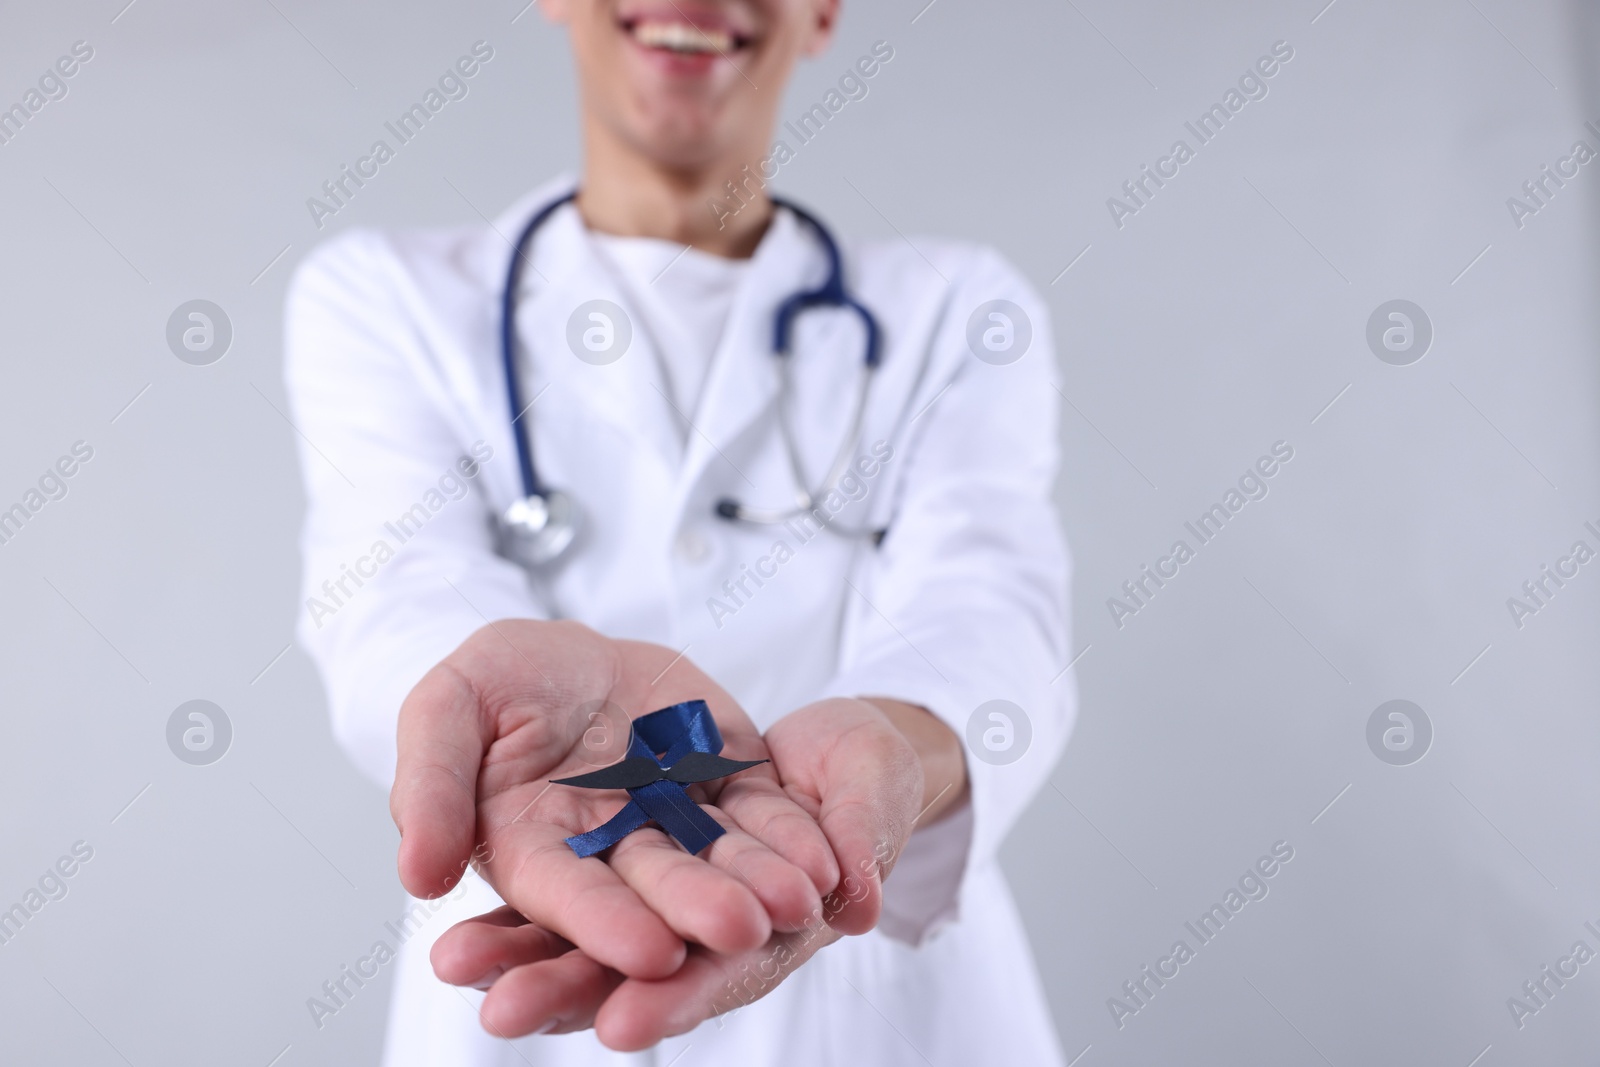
(872, 782)
(443, 733)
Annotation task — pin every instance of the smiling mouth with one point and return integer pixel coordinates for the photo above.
(683, 38)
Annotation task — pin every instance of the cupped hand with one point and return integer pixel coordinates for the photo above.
(854, 766)
(538, 982)
(522, 702)
(854, 769)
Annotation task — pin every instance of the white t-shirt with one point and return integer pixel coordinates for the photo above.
(684, 296)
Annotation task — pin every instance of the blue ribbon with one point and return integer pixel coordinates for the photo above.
(665, 736)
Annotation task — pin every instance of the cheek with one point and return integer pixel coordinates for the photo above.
(782, 50)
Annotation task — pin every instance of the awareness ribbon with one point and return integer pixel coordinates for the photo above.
(668, 749)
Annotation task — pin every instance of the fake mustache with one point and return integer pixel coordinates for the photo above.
(635, 772)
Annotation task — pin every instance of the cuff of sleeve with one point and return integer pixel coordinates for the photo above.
(923, 894)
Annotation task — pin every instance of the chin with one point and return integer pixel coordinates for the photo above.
(686, 138)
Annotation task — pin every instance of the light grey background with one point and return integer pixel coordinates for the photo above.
(1223, 317)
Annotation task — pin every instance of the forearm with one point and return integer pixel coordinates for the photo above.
(938, 748)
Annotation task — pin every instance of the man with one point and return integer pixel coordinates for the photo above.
(854, 664)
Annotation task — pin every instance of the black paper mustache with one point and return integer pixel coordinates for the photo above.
(635, 772)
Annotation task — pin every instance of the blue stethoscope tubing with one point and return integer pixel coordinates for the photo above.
(540, 527)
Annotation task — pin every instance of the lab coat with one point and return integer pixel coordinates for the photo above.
(394, 373)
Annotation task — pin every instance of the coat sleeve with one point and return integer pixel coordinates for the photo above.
(397, 544)
(965, 602)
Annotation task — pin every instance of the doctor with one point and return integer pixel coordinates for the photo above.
(596, 459)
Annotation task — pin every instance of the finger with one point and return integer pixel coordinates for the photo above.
(478, 951)
(869, 805)
(443, 732)
(582, 900)
(698, 900)
(762, 809)
(452, 717)
(641, 1013)
(549, 997)
(785, 890)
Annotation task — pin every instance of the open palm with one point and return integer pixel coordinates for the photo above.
(847, 766)
(522, 702)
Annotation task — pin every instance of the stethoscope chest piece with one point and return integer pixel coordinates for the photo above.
(537, 530)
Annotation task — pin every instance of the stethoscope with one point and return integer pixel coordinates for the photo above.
(539, 528)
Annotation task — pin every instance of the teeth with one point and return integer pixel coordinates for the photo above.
(681, 37)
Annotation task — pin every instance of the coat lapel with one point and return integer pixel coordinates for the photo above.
(565, 273)
(560, 287)
(743, 381)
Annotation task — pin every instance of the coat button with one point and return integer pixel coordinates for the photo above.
(693, 546)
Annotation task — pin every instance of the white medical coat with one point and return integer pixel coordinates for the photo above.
(394, 372)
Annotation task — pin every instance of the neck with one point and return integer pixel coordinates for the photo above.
(625, 193)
